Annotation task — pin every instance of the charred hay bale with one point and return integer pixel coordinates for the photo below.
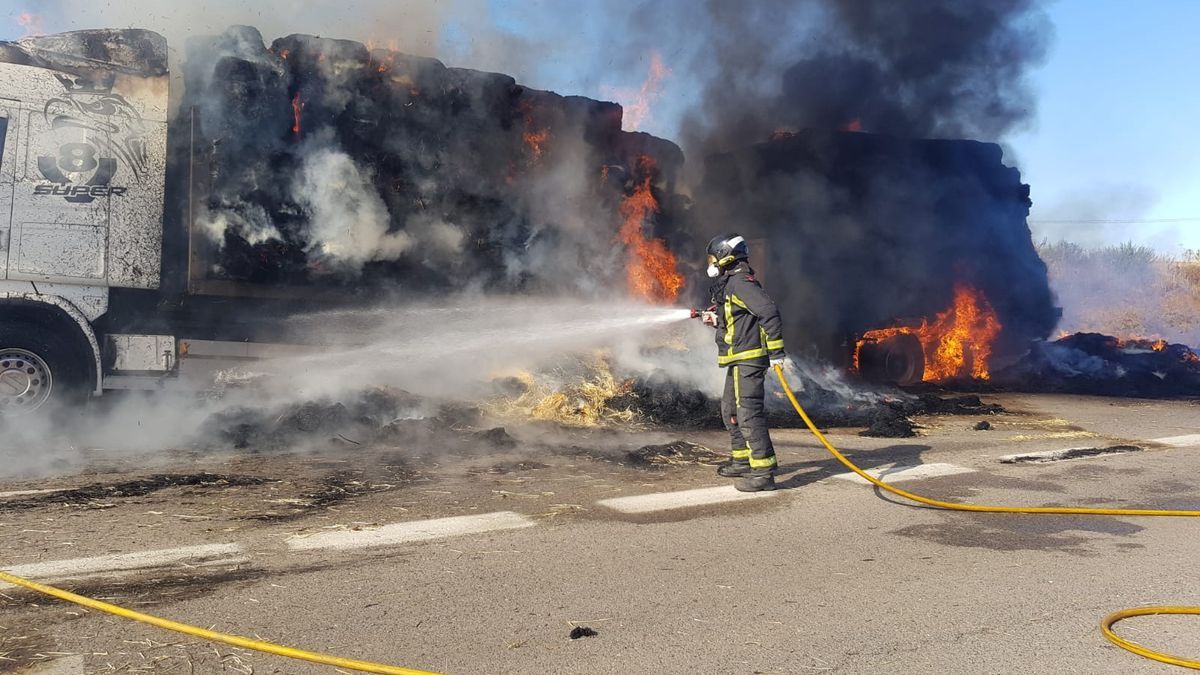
(456, 415)
(957, 405)
(381, 405)
(1095, 364)
(890, 424)
(497, 438)
(660, 400)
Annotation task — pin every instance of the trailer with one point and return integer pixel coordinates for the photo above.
(110, 275)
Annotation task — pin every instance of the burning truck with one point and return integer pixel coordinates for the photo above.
(142, 241)
(147, 237)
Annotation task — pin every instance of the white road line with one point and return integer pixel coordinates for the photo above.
(663, 501)
(196, 556)
(1188, 441)
(898, 474)
(26, 493)
(403, 533)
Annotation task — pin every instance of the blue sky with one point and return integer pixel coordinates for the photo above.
(1117, 132)
(1116, 135)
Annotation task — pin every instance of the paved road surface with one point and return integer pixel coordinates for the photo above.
(486, 563)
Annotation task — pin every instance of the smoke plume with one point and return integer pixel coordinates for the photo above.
(939, 69)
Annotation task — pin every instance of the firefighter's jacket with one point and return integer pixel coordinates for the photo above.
(749, 329)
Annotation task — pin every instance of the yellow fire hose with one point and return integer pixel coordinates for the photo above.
(235, 640)
(369, 667)
(1107, 624)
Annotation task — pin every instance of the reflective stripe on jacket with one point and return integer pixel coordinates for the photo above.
(748, 325)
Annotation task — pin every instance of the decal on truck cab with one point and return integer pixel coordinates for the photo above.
(116, 135)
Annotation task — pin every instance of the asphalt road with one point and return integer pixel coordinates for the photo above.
(349, 551)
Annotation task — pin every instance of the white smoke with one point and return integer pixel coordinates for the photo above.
(250, 221)
(347, 220)
(451, 350)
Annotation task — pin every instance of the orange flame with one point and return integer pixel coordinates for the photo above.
(297, 106)
(535, 141)
(638, 112)
(853, 125)
(652, 273)
(957, 343)
(1153, 344)
(535, 136)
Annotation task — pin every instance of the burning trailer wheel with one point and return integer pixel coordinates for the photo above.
(38, 371)
(898, 359)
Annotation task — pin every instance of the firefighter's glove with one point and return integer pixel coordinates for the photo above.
(709, 316)
(779, 360)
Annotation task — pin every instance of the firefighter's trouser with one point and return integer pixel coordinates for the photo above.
(744, 410)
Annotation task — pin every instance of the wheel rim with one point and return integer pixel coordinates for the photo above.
(25, 381)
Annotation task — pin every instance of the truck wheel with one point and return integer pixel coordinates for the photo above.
(39, 370)
(899, 359)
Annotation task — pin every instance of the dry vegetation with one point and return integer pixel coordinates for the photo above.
(580, 398)
(1127, 291)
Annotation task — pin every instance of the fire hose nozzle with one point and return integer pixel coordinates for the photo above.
(707, 316)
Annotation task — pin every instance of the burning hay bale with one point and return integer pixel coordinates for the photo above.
(1090, 363)
(865, 230)
(327, 163)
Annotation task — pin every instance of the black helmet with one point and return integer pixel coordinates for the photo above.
(724, 250)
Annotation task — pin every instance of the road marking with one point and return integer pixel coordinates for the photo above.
(898, 474)
(403, 533)
(1188, 441)
(26, 493)
(663, 501)
(196, 556)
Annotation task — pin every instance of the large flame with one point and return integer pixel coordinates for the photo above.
(957, 343)
(651, 271)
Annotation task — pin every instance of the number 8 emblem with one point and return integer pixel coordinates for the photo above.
(77, 157)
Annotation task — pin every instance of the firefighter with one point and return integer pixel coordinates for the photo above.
(749, 340)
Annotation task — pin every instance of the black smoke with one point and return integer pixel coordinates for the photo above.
(833, 132)
(928, 69)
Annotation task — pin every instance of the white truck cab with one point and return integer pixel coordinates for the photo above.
(82, 171)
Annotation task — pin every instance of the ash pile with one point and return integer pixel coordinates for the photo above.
(325, 162)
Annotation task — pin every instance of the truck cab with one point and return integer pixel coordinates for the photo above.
(82, 173)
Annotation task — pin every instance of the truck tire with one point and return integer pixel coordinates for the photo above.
(40, 370)
(899, 359)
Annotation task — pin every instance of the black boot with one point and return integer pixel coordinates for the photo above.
(755, 483)
(732, 469)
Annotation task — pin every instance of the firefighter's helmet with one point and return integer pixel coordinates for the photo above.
(724, 250)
